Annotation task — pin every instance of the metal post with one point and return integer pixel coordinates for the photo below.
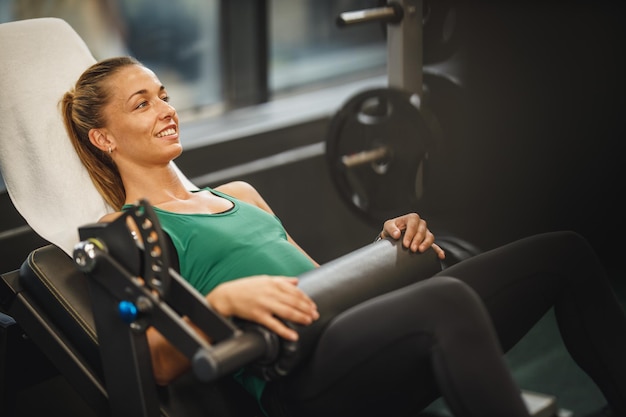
(404, 48)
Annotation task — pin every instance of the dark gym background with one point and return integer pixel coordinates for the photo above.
(534, 144)
(533, 138)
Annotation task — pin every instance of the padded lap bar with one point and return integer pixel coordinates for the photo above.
(336, 286)
(373, 270)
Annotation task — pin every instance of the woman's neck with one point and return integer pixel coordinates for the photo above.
(157, 185)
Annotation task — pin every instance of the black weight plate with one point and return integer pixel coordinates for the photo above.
(375, 119)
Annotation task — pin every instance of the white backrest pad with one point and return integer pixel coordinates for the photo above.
(40, 59)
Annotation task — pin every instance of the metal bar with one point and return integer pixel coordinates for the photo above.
(364, 157)
(404, 49)
(389, 14)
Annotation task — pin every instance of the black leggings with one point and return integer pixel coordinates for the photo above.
(396, 353)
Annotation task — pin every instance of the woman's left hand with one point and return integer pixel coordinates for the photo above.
(417, 237)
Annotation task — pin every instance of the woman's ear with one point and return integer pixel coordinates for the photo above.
(99, 139)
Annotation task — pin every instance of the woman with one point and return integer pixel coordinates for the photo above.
(438, 333)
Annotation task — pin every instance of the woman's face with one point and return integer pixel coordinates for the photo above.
(140, 124)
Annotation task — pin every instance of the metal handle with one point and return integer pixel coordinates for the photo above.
(392, 13)
(365, 157)
(232, 354)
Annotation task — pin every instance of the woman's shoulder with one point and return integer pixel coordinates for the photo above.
(240, 190)
(244, 191)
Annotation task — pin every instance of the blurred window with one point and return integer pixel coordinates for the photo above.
(184, 41)
(178, 39)
(308, 49)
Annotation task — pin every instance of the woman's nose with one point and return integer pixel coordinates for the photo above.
(167, 110)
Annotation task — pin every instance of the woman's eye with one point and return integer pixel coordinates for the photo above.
(142, 105)
(166, 99)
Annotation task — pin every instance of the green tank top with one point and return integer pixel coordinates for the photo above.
(240, 242)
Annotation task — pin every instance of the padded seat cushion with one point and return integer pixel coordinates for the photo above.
(51, 276)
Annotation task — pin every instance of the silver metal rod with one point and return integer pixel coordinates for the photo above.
(364, 157)
(376, 14)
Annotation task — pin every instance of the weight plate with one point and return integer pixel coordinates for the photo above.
(376, 148)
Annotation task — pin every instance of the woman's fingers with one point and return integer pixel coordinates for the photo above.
(266, 300)
(290, 303)
(417, 237)
(441, 254)
(284, 301)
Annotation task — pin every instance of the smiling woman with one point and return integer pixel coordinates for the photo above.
(146, 125)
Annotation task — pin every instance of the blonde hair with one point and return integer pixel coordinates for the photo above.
(83, 109)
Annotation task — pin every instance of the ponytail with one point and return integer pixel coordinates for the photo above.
(82, 108)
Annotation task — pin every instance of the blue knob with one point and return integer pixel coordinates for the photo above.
(128, 311)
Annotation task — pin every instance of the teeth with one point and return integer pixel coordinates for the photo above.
(166, 132)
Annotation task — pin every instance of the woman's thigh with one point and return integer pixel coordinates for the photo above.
(377, 358)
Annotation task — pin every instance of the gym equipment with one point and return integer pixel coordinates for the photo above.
(376, 149)
(441, 24)
(378, 143)
(387, 148)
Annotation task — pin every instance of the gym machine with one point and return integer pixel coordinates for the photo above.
(387, 148)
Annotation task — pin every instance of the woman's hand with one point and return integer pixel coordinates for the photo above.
(416, 237)
(264, 299)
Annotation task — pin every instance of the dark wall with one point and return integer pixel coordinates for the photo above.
(546, 128)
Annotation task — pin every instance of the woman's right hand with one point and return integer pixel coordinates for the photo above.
(264, 299)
